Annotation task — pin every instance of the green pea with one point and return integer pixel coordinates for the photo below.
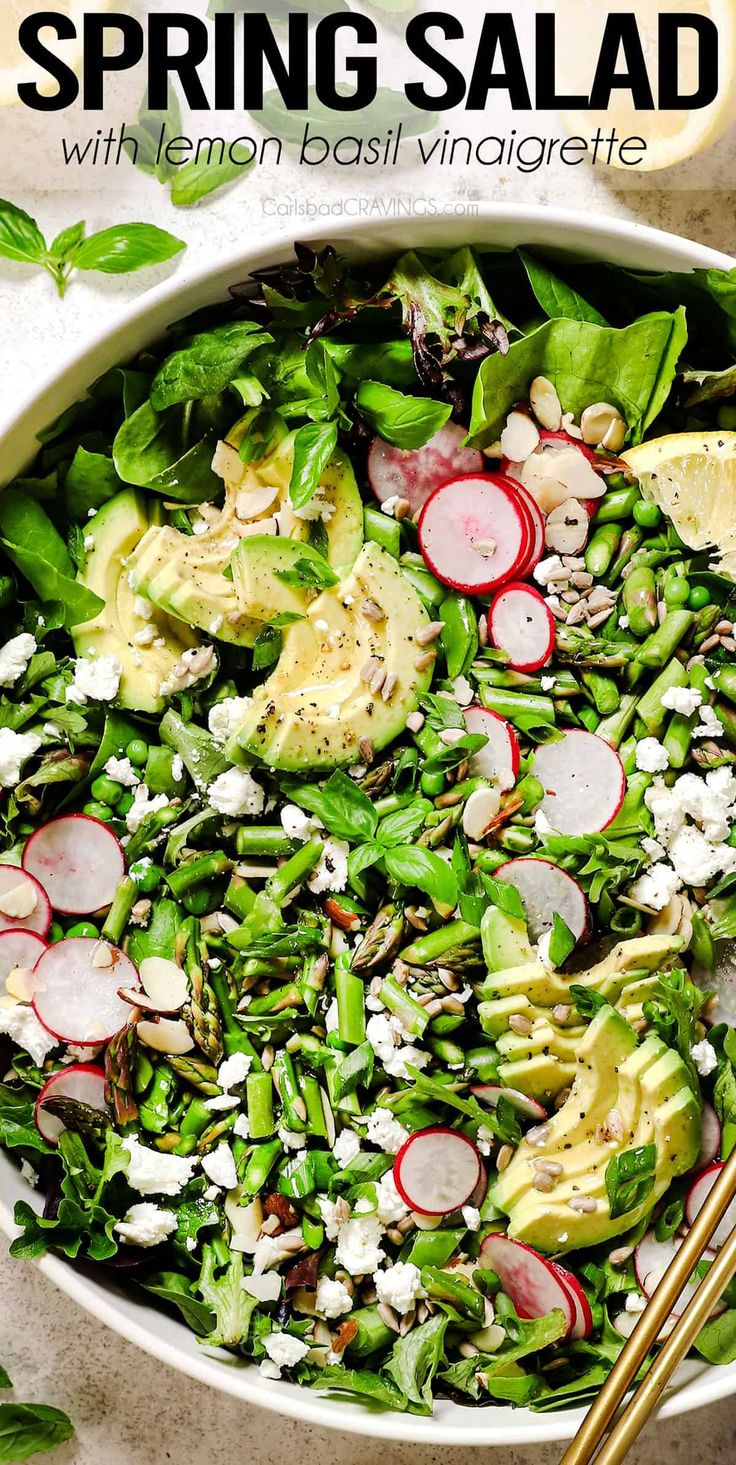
(147, 877)
(7, 591)
(124, 804)
(56, 932)
(107, 791)
(677, 591)
(83, 928)
(137, 751)
(646, 515)
(698, 598)
(200, 902)
(97, 811)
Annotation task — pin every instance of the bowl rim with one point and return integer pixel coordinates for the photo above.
(566, 230)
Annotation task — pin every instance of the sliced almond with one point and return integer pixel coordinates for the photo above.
(602, 421)
(545, 404)
(168, 1035)
(480, 811)
(20, 901)
(102, 956)
(252, 502)
(266, 1287)
(566, 531)
(520, 437)
(164, 983)
(228, 464)
(245, 1221)
(19, 983)
(259, 526)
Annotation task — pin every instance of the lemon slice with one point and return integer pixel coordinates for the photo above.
(692, 478)
(15, 67)
(671, 136)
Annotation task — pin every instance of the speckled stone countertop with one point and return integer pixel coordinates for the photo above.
(127, 1408)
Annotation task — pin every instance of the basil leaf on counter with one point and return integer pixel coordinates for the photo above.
(20, 237)
(123, 248)
(402, 421)
(29, 1429)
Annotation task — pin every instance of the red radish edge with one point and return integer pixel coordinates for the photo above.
(525, 624)
(710, 1139)
(696, 1198)
(92, 1082)
(427, 1199)
(32, 947)
(79, 865)
(454, 516)
(583, 1324)
(563, 895)
(72, 984)
(490, 1093)
(488, 762)
(529, 1279)
(39, 920)
(415, 474)
(558, 768)
(651, 1260)
(538, 529)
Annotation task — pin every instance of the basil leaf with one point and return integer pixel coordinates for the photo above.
(412, 865)
(314, 445)
(207, 364)
(633, 368)
(65, 243)
(124, 248)
(404, 422)
(403, 826)
(556, 298)
(630, 1179)
(267, 647)
(202, 176)
(562, 941)
(343, 807)
(4, 1379)
(20, 237)
(311, 572)
(506, 897)
(29, 1429)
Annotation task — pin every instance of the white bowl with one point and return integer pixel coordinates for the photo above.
(128, 1313)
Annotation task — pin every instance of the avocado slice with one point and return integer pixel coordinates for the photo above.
(315, 707)
(647, 1087)
(505, 940)
(117, 529)
(185, 574)
(258, 565)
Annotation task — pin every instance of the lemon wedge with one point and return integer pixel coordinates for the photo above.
(691, 476)
(671, 136)
(15, 67)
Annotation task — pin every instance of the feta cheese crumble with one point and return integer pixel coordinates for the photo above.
(145, 1225)
(656, 887)
(20, 1023)
(153, 1172)
(332, 871)
(651, 756)
(236, 794)
(14, 658)
(225, 717)
(298, 825)
(385, 1035)
(122, 771)
(399, 1286)
(15, 748)
(233, 1070)
(333, 1298)
(385, 1132)
(96, 681)
(144, 802)
(284, 1351)
(685, 700)
(358, 1247)
(219, 1167)
(704, 1058)
(346, 1147)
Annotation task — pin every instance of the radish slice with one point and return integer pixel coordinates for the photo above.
(84, 1082)
(520, 624)
(710, 1138)
(436, 1171)
(500, 759)
(546, 889)
(490, 1093)
(475, 533)
(76, 990)
(536, 518)
(527, 1278)
(651, 1260)
(696, 1198)
(21, 892)
(18, 949)
(584, 782)
(625, 1322)
(722, 982)
(583, 1324)
(79, 862)
(481, 1190)
(394, 473)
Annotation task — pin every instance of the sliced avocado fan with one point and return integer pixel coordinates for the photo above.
(542, 1061)
(148, 646)
(317, 705)
(185, 575)
(623, 1098)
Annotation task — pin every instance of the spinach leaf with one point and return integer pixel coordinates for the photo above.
(717, 1340)
(414, 1362)
(200, 754)
(557, 299)
(341, 805)
(4, 1379)
(633, 368)
(17, 1123)
(30, 1429)
(412, 865)
(38, 551)
(171, 452)
(405, 422)
(206, 364)
(90, 481)
(386, 361)
(630, 1179)
(314, 445)
(173, 1288)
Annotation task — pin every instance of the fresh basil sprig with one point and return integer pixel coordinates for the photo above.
(29, 1429)
(119, 250)
(405, 422)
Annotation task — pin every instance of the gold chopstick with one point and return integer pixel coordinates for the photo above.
(652, 1320)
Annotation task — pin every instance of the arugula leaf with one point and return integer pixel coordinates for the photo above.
(414, 1362)
(206, 364)
(124, 248)
(562, 941)
(633, 368)
(314, 445)
(20, 237)
(405, 422)
(17, 1124)
(174, 1288)
(30, 1429)
(556, 298)
(412, 865)
(341, 805)
(701, 387)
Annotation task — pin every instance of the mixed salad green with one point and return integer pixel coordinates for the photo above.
(368, 893)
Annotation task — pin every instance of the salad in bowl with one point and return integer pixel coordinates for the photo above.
(367, 895)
